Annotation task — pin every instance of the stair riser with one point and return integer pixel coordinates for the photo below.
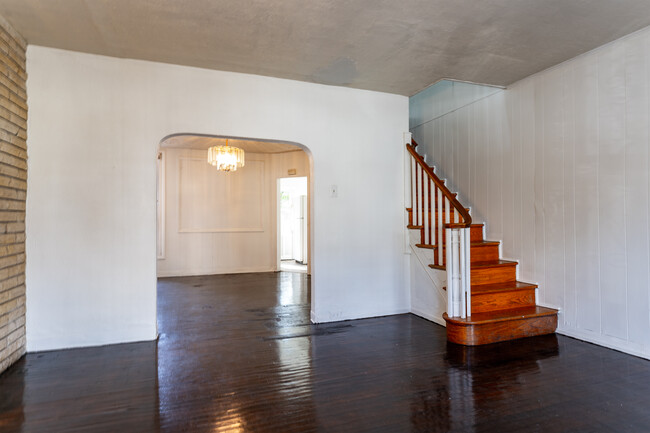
(486, 333)
(479, 253)
(476, 233)
(496, 274)
(482, 303)
(484, 253)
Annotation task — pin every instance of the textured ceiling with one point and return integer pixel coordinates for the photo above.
(203, 142)
(386, 45)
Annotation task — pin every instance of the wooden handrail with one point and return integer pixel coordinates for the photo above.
(467, 219)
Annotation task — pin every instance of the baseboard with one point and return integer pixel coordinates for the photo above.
(430, 317)
(545, 305)
(341, 318)
(49, 343)
(166, 274)
(607, 342)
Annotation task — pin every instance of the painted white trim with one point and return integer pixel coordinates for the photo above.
(172, 273)
(546, 305)
(162, 195)
(380, 313)
(226, 230)
(430, 317)
(607, 342)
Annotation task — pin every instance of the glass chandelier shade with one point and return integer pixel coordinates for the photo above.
(226, 158)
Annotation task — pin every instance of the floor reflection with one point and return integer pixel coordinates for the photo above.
(237, 354)
(250, 361)
(109, 388)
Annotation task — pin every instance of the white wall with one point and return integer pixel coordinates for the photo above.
(94, 128)
(558, 167)
(215, 228)
(444, 97)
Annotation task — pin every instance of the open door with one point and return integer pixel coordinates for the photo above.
(293, 228)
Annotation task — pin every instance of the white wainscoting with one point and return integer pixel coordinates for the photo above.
(216, 222)
(212, 201)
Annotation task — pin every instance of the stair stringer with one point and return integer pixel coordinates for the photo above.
(428, 299)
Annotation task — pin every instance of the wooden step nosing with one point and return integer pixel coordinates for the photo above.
(500, 290)
(495, 264)
(478, 244)
(465, 322)
(504, 290)
(476, 291)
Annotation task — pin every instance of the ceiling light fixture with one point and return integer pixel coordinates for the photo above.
(226, 158)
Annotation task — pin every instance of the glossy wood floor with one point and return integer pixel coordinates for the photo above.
(237, 354)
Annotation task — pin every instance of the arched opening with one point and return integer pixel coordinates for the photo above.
(220, 284)
(224, 208)
(211, 222)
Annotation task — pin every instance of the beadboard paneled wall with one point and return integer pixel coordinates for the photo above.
(557, 166)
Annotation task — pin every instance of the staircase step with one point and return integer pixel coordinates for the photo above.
(480, 251)
(502, 296)
(476, 232)
(502, 325)
(484, 251)
(500, 287)
(494, 271)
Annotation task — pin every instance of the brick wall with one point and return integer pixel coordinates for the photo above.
(13, 187)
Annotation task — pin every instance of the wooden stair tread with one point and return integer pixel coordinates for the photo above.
(493, 264)
(475, 244)
(482, 265)
(501, 287)
(503, 315)
(472, 244)
(510, 286)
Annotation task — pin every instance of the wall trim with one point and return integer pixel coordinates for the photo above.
(607, 342)
(200, 273)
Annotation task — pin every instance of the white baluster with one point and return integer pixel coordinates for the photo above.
(461, 273)
(425, 206)
(447, 211)
(418, 179)
(450, 279)
(468, 273)
(454, 268)
(413, 199)
(441, 226)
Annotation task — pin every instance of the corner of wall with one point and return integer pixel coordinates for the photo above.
(13, 192)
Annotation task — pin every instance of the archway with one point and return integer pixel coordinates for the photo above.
(210, 222)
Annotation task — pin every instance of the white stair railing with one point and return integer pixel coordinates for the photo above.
(444, 226)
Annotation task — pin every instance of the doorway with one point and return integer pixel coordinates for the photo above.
(293, 248)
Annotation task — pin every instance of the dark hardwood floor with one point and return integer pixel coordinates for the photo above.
(237, 354)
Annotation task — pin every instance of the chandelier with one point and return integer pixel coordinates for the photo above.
(226, 158)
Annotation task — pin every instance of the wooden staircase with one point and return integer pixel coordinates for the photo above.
(502, 308)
